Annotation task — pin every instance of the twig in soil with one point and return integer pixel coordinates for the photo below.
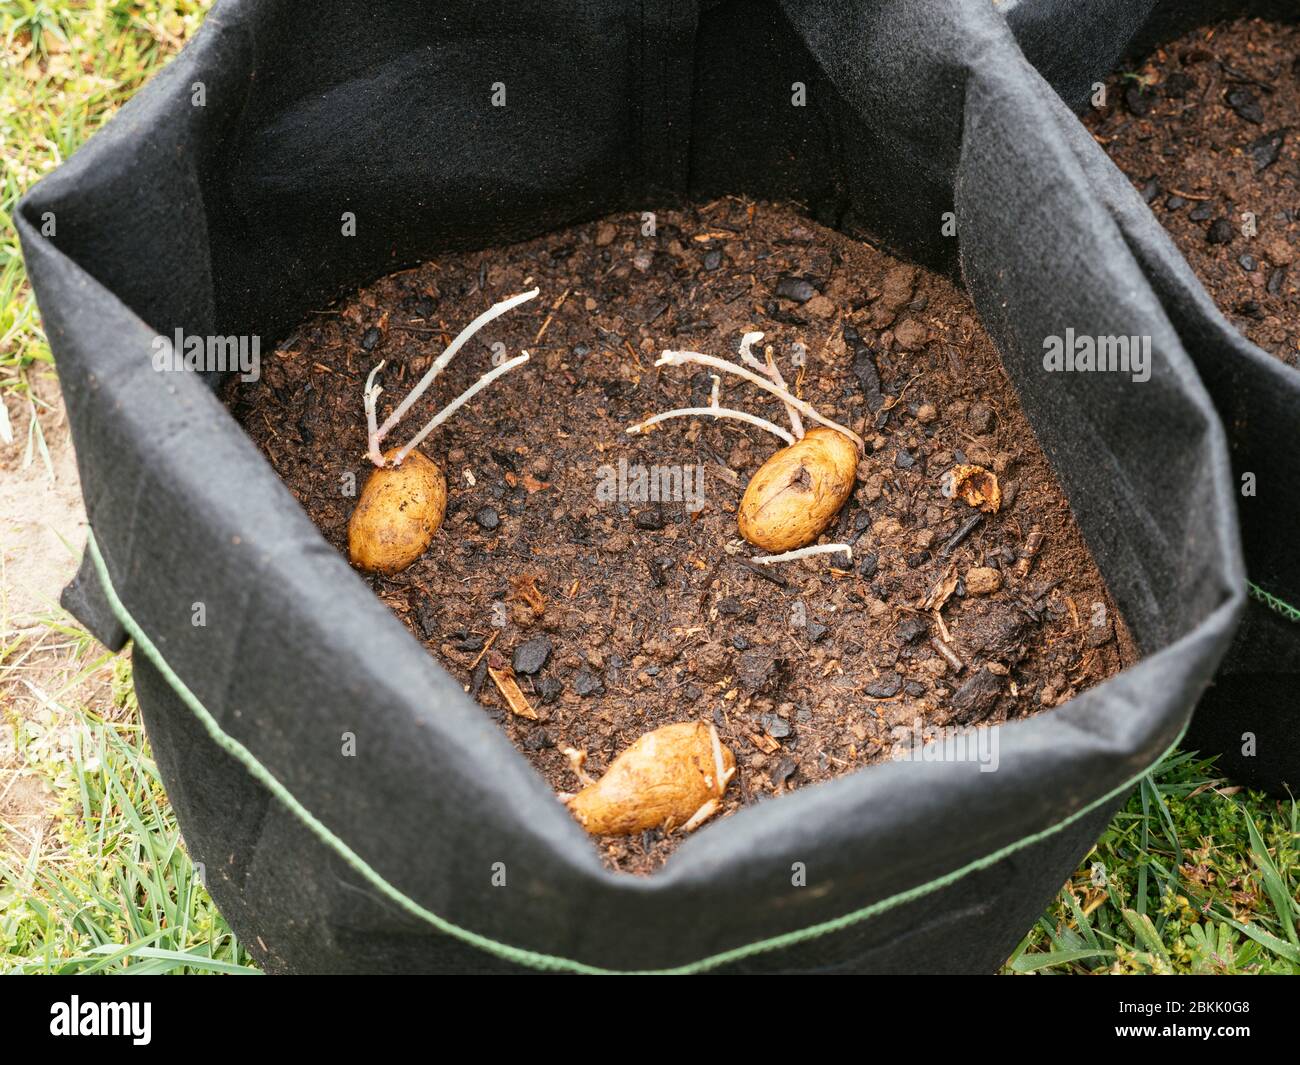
(420, 330)
(803, 552)
(504, 678)
(524, 586)
(894, 401)
(1074, 611)
(486, 647)
(554, 307)
(943, 628)
(954, 541)
(1033, 542)
(942, 590)
(759, 571)
(727, 474)
(949, 655)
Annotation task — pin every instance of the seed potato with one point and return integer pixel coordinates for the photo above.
(400, 509)
(798, 491)
(673, 777)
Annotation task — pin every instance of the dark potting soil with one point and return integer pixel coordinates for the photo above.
(1209, 130)
(619, 613)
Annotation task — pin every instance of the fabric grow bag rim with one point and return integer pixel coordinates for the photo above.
(521, 955)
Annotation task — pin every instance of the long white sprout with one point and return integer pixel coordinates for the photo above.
(375, 435)
(803, 552)
(712, 412)
(455, 405)
(371, 395)
(769, 367)
(679, 358)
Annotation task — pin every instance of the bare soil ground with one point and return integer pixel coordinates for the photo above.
(42, 531)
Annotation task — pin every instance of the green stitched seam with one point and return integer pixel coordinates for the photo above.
(1273, 602)
(519, 955)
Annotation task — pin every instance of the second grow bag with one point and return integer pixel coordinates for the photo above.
(438, 847)
(1250, 716)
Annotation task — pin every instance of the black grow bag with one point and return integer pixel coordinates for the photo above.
(225, 219)
(1250, 716)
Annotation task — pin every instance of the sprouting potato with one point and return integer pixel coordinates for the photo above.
(798, 491)
(673, 777)
(400, 509)
(795, 494)
(405, 499)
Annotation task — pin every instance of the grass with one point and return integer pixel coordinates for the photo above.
(107, 886)
(1192, 876)
(64, 69)
(113, 890)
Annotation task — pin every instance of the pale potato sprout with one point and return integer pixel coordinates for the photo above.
(376, 435)
(577, 760)
(372, 394)
(804, 552)
(714, 410)
(769, 367)
(455, 405)
(404, 500)
(681, 358)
